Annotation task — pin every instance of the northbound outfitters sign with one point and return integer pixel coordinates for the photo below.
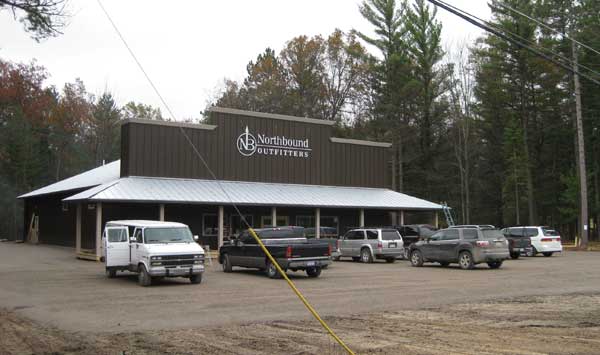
(249, 144)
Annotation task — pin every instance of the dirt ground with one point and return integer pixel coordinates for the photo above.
(567, 324)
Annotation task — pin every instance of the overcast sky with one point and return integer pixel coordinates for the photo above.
(190, 47)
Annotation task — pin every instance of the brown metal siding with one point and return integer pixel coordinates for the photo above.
(162, 151)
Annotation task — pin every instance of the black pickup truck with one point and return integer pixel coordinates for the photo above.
(519, 242)
(286, 244)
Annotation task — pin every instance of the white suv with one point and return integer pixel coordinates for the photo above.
(544, 240)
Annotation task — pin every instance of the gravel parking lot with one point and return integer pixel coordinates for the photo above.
(45, 288)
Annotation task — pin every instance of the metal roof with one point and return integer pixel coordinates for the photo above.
(97, 176)
(169, 190)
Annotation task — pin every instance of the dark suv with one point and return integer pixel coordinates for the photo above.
(465, 246)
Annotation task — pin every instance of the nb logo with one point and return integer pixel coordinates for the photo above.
(246, 143)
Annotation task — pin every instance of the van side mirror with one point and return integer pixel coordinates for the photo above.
(196, 238)
(132, 239)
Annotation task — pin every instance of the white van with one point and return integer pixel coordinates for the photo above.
(152, 249)
(544, 240)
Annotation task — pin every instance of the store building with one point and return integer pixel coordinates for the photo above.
(277, 170)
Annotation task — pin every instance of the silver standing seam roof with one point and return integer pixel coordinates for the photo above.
(100, 175)
(196, 191)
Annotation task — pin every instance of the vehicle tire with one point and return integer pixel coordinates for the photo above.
(548, 254)
(227, 263)
(416, 258)
(144, 279)
(271, 271)
(465, 260)
(196, 279)
(111, 273)
(390, 260)
(355, 258)
(313, 271)
(533, 251)
(514, 255)
(444, 263)
(365, 256)
(495, 264)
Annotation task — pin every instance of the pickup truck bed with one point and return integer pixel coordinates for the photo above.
(286, 244)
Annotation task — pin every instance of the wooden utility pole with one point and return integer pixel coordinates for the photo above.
(583, 196)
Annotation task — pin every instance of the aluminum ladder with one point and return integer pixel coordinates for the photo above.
(447, 214)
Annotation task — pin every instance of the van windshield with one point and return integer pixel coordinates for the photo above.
(168, 235)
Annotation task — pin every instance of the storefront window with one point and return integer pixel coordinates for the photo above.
(305, 221)
(238, 226)
(210, 224)
(332, 222)
(267, 221)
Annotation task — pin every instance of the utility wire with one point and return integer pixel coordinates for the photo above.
(242, 218)
(548, 27)
(527, 41)
(468, 17)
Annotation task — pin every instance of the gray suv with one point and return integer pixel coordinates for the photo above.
(465, 246)
(367, 244)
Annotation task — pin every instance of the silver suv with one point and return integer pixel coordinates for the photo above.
(367, 244)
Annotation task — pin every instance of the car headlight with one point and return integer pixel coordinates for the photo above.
(156, 263)
(156, 258)
(198, 256)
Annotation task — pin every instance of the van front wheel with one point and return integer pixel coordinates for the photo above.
(196, 279)
(144, 279)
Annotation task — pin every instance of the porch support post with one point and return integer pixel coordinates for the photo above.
(221, 227)
(401, 217)
(98, 230)
(437, 219)
(274, 216)
(317, 223)
(78, 229)
(361, 218)
(161, 212)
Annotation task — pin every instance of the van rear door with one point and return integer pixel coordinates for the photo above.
(116, 241)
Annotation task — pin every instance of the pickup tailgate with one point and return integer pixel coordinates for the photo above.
(301, 247)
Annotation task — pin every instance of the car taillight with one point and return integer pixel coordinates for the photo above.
(288, 252)
(547, 239)
(483, 243)
(328, 250)
(558, 239)
(380, 245)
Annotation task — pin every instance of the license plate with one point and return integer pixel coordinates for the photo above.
(179, 271)
(310, 263)
(392, 245)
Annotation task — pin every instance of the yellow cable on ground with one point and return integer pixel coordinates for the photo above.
(299, 294)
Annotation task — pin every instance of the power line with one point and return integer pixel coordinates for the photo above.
(548, 27)
(468, 17)
(527, 41)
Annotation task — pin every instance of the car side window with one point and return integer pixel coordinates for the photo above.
(372, 235)
(450, 234)
(138, 236)
(116, 235)
(470, 234)
(437, 236)
(356, 235)
(516, 232)
(531, 232)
